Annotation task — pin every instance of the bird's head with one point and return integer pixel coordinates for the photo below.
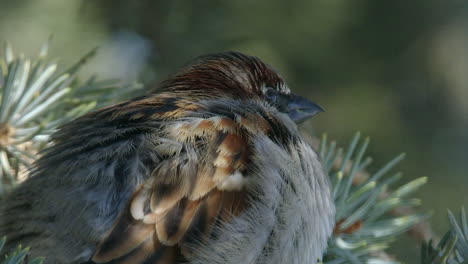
(239, 76)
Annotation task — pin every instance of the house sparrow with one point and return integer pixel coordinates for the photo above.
(210, 168)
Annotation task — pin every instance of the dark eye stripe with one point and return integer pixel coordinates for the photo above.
(278, 99)
(272, 95)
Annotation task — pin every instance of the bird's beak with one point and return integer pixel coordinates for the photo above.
(299, 108)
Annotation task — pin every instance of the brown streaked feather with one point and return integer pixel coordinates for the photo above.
(188, 222)
(125, 236)
(254, 124)
(203, 222)
(178, 219)
(151, 251)
(173, 209)
(165, 196)
(226, 124)
(203, 184)
(147, 254)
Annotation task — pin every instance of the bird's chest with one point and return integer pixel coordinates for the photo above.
(289, 216)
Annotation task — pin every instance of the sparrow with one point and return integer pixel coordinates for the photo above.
(209, 168)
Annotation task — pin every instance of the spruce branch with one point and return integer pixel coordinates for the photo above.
(364, 225)
(453, 247)
(36, 98)
(18, 256)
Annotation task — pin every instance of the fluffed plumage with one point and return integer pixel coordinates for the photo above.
(210, 168)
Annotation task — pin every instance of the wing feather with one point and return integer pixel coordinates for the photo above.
(184, 197)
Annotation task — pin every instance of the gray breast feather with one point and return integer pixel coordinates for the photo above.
(291, 217)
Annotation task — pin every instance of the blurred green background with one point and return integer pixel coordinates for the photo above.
(394, 70)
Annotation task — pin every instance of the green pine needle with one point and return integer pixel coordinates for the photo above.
(364, 225)
(18, 256)
(453, 247)
(35, 99)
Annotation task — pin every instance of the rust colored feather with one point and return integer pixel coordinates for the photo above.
(125, 236)
(174, 225)
(169, 212)
(165, 196)
(186, 223)
(151, 251)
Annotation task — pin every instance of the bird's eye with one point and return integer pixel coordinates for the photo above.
(272, 95)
